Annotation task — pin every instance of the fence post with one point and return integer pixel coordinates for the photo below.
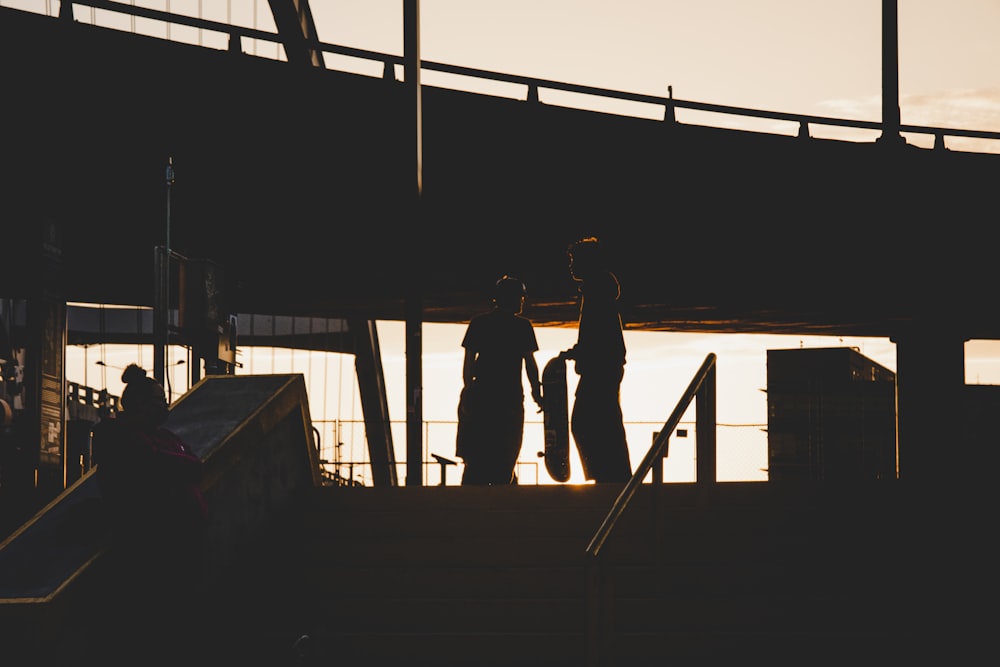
(705, 453)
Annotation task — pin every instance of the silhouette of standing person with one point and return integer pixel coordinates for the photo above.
(149, 481)
(498, 345)
(599, 356)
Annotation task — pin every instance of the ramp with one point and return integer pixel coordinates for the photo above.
(254, 434)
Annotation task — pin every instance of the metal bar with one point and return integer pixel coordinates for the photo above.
(294, 21)
(706, 452)
(890, 73)
(414, 296)
(374, 401)
(655, 452)
(529, 82)
(161, 310)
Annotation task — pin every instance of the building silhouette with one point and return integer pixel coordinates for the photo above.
(831, 416)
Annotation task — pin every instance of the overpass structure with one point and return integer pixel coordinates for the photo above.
(299, 182)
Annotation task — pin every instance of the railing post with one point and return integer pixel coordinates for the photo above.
(444, 468)
(532, 97)
(669, 116)
(705, 427)
(658, 470)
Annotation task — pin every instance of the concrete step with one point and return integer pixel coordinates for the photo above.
(452, 581)
(450, 615)
(482, 649)
(490, 576)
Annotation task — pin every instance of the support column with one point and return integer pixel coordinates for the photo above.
(890, 74)
(706, 456)
(374, 402)
(414, 294)
(161, 310)
(941, 530)
(930, 385)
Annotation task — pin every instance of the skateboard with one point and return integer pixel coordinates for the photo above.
(556, 419)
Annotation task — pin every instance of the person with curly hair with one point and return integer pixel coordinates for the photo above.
(599, 355)
(499, 346)
(149, 480)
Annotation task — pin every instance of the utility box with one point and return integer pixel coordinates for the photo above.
(831, 416)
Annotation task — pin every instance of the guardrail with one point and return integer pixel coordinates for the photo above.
(531, 85)
(741, 452)
(702, 392)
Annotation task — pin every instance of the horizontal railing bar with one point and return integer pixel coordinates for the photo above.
(545, 84)
(179, 19)
(950, 132)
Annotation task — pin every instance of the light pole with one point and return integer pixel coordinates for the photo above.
(85, 364)
(162, 319)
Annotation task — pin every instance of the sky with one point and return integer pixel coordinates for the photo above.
(798, 56)
(660, 366)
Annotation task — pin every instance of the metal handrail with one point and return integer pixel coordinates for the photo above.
(703, 379)
(236, 32)
(702, 391)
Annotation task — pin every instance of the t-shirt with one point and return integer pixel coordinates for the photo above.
(501, 340)
(600, 344)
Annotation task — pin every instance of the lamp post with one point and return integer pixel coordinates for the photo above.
(86, 383)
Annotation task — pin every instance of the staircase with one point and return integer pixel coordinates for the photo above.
(500, 576)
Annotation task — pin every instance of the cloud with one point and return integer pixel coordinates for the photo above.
(977, 109)
(968, 109)
(868, 109)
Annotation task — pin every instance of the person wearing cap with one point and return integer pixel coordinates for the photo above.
(499, 346)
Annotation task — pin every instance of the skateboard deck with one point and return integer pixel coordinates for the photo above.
(556, 419)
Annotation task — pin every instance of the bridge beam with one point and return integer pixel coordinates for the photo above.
(294, 22)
